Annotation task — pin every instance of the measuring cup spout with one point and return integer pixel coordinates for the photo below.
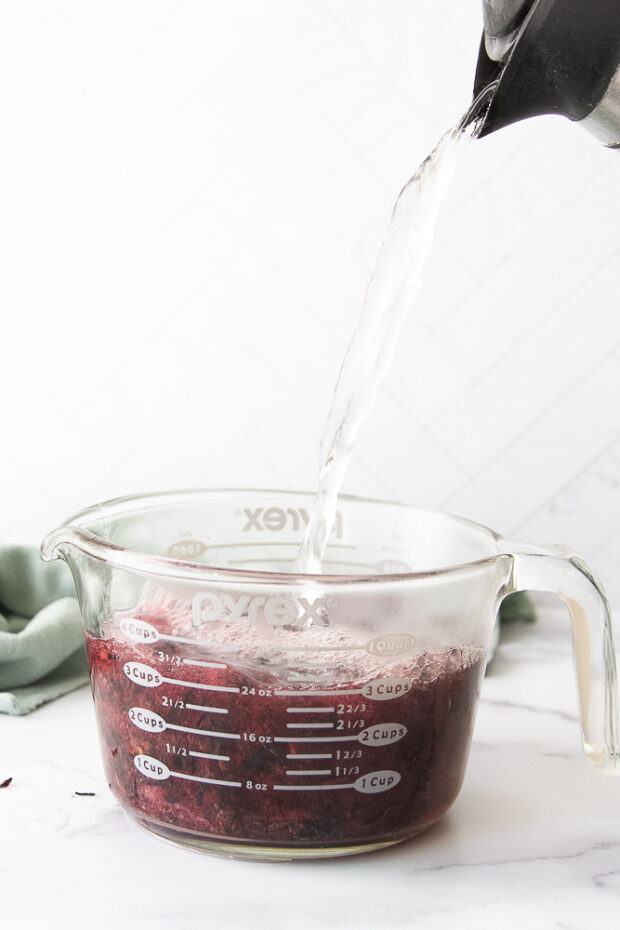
(82, 552)
(95, 578)
(61, 543)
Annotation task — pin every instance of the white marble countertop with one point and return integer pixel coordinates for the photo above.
(533, 837)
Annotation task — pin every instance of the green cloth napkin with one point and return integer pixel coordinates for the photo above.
(42, 651)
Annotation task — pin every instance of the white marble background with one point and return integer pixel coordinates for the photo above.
(192, 196)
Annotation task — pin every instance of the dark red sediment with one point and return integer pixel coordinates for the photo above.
(394, 782)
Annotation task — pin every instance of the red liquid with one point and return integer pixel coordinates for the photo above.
(385, 766)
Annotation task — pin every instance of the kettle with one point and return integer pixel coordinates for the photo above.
(552, 56)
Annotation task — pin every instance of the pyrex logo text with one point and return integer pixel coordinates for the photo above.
(277, 610)
(279, 518)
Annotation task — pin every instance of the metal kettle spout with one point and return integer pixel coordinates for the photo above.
(562, 57)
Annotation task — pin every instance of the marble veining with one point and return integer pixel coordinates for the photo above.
(516, 705)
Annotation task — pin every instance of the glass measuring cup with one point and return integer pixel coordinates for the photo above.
(251, 711)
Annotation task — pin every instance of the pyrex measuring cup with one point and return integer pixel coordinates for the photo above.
(247, 710)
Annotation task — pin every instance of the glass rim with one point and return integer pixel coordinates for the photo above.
(73, 533)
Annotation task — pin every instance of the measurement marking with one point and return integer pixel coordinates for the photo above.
(181, 639)
(313, 693)
(209, 755)
(312, 787)
(315, 739)
(310, 726)
(214, 644)
(311, 710)
(357, 648)
(175, 726)
(199, 642)
(294, 543)
(203, 707)
(196, 684)
(365, 565)
(207, 781)
(309, 772)
(204, 664)
(310, 755)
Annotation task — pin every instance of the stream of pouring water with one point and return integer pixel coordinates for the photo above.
(388, 297)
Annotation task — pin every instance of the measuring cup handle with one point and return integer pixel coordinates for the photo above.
(559, 571)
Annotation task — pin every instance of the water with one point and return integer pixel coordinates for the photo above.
(389, 296)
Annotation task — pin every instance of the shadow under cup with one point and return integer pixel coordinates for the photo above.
(252, 711)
